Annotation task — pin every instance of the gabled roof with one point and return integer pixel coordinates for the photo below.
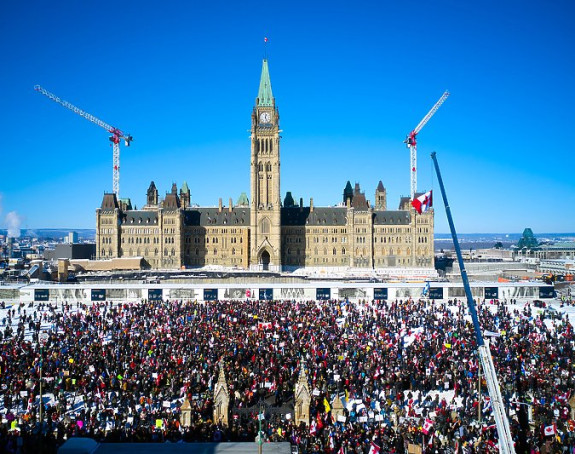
(319, 216)
(140, 217)
(213, 216)
(400, 217)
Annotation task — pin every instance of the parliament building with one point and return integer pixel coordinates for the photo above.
(263, 232)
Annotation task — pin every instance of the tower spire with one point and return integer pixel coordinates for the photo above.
(265, 97)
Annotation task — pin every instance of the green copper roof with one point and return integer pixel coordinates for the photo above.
(185, 187)
(243, 200)
(265, 96)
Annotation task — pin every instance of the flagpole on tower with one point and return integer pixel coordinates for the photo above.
(266, 48)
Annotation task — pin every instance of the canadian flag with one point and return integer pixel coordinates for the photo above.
(549, 430)
(427, 426)
(423, 202)
(313, 428)
(374, 449)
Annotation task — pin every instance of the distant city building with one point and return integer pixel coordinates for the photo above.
(262, 233)
(71, 251)
(72, 238)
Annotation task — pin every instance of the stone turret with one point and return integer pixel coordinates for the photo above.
(302, 397)
(380, 197)
(337, 408)
(185, 195)
(221, 398)
(186, 414)
(152, 195)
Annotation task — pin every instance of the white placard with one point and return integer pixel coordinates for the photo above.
(336, 377)
(370, 415)
(288, 416)
(362, 419)
(379, 417)
(341, 418)
(166, 404)
(316, 392)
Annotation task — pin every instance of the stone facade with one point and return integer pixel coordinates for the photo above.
(261, 233)
(221, 399)
(302, 398)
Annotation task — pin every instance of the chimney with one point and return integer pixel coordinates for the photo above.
(230, 207)
(220, 205)
(348, 202)
(311, 205)
(301, 204)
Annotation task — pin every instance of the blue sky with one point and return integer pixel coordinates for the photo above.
(351, 79)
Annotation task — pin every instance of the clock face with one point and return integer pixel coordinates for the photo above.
(265, 117)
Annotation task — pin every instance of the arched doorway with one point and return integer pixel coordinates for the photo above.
(265, 260)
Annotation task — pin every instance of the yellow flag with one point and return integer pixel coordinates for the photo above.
(447, 345)
(326, 405)
(14, 424)
(159, 424)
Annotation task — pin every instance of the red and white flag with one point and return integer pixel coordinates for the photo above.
(423, 203)
(266, 39)
(549, 430)
(427, 426)
(374, 449)
(313, 428)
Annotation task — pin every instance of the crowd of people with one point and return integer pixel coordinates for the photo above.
(406, 372)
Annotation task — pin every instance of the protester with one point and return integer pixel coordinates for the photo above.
(406, 372)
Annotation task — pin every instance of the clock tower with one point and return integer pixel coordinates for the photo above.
(265, 208)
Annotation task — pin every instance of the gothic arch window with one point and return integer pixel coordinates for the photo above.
(130, 253)
(343, 251)
(138, 253)
(173, 252)
(156, 251)
(334, 251)
(110, 252)
(268, 167)
(146, 252)
(265, 226)
(260, 167)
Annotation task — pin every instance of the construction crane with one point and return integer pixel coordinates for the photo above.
(501, 422)
(411, 141)
(116, 134)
